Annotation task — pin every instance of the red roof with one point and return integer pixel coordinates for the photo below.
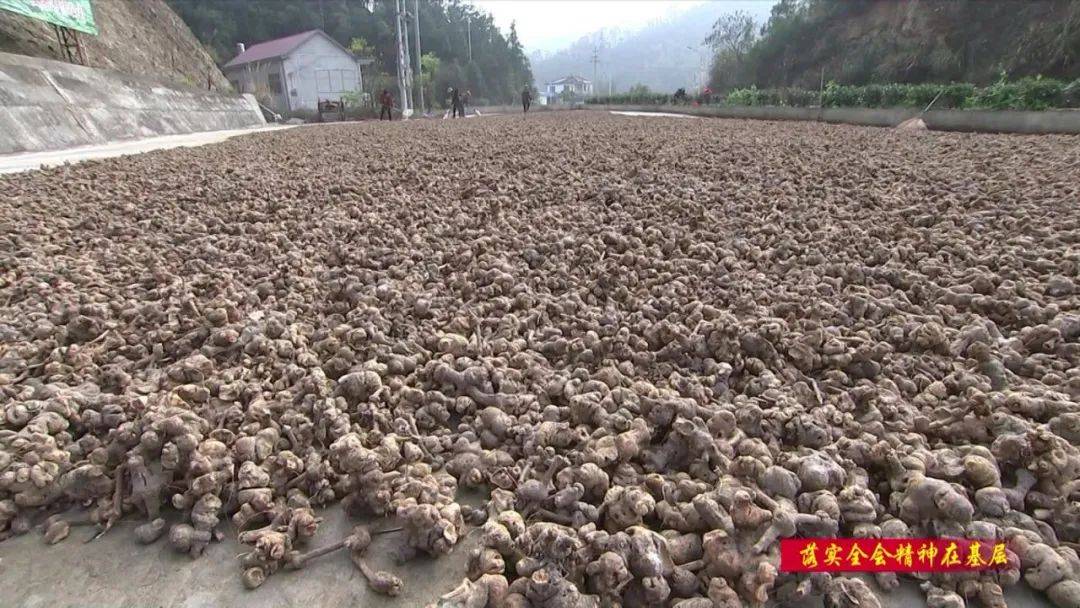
(271, 48)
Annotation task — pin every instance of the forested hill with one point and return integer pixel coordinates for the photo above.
(498, 70)
(664, 56)
(868, 41)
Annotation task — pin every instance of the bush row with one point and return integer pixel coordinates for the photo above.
(629, 98)
(1025, 94)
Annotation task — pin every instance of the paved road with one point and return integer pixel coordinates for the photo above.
(14, 163)
(114, 570)
(653, 114)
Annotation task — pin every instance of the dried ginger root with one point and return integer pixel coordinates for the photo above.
(732, 358)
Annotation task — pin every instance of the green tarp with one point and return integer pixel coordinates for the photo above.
(74, 14)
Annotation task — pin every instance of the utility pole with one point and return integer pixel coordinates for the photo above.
(595, 61)
(419, 65)
(403, 64)
(821, 89)
(468, 25)
(408, 52)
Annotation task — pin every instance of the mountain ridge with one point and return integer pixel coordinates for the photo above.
(663, 55)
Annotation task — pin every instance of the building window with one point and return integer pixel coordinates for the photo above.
(322, 81)
(274, 82)
(348, 80)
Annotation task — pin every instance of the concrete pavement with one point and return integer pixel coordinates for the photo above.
(28, 161)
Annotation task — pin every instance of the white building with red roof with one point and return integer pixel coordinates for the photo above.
(295, 72)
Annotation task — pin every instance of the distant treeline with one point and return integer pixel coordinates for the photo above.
(857, 42)
(498, 70)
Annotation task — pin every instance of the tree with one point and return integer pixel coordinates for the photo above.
(429, 66)
(640, 90)
(733, 34)
(499, 68)
(523, 75)
(732, 39)
(361, 48)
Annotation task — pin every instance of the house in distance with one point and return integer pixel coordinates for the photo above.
(569, 88)
(295, 72)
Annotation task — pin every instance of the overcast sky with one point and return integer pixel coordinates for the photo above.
(549, 25)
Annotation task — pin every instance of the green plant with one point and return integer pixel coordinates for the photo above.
(1036, 93)
(361, 48)
(640, 90)
(840, 96)
(1024, 94)
(631, 99)
(743, 97)
(955, 95)
(1071, 94)
(920, 95)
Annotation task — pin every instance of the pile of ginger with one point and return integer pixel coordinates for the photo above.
(654, 357)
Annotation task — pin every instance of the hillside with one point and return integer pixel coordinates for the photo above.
(143, 37)
(865, 41)
(664, 55)
(494, 71)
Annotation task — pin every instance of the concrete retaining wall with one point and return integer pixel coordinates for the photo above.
(984, 121)
(1005, 121)
(47, 105)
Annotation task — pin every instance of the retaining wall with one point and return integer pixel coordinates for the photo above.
(47, 105)
(986, 121)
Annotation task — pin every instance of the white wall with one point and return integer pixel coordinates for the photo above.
(554, 90)
(319, 69)
(49, 105)
(254, 78)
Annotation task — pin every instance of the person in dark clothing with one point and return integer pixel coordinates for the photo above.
(386, 100)
(455, 101)
(526, 99)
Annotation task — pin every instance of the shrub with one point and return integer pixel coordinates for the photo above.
(1025, 94)
(892, 95)
(841, 96)
(631, 99)
(955, 95)
(872, 96)
(920, 95)
(1071, 94)
(743, 97)
(801, 97)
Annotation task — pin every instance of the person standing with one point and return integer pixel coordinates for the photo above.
(465, 100)
(386, 101)
(526, 99)
(455, 101)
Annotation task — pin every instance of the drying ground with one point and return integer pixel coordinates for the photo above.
(722, 331)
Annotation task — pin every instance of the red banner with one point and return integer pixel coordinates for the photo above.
(890, 555)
